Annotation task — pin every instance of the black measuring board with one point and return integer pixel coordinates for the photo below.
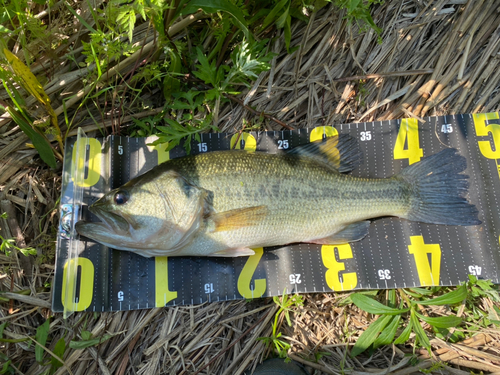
(396, 254)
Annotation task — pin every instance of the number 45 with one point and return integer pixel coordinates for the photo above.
(446, 128)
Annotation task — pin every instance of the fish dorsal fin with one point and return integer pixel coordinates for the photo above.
(238, 218)
(340, 152)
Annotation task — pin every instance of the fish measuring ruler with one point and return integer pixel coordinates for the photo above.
(396, 254)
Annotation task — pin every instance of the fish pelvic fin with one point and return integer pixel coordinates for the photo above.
(232, 253)
(340, 152)
(351, 233)
(438, 189)
(238, 218)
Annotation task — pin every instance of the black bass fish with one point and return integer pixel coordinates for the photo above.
(224, 203)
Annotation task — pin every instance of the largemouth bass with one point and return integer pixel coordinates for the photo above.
(224, 203)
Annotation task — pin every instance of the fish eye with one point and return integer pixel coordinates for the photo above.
(121, 197)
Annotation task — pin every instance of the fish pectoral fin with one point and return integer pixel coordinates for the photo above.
(238, 218)
(352, 232)
(231, 253)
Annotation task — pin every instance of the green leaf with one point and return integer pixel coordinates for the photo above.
(273, 13)
(7, 368)
(39, 141)
(442, 321)
(213, 6)
(41, 335)
(450, 298)
(86, 335)
(59, 350)
(206, 72)
(288, 32)
(405, 335)
(369, 336)
(86, 343)
(82, 21)
(387, 335)
(3, 29)
(419, 331)
(2, 327)
(348, 300)
(418, 292)
(374, 307)
(170, 83)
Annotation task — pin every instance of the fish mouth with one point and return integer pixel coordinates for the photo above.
(111, 223)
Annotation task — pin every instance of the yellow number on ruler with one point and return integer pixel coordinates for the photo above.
(162, 294)
(86, 284)
(332, 276)
(408, 133)
(482, 130)
(247, 274)
(318, 133)
(94, 164)
(163, 155)
(427, 273)
(249, 139)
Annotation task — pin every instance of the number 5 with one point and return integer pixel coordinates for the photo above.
(482, 130)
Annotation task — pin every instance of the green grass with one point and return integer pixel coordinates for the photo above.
(199, 68)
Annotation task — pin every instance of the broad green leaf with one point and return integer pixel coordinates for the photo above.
(30, 83)
(405, 335)
(170, 83)
(86, 335)
(352, 5)
(288, 31)
(387, 335)
(86, 343)
(14, 94)
(41, 335)
(442, 321)
(271, 17)
(41, 143)
(348, 300)
(419, 331)
(213, 6)
(450, 298)
(59, 350)
(374, 307)
(28, 79)
(369, 336)
(280, 22)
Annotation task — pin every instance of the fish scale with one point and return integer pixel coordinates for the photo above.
(306, 201)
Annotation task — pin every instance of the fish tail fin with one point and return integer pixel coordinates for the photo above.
(439, 189)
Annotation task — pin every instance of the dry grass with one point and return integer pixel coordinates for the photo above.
(436, 57)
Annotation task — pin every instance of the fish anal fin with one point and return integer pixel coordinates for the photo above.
(340, 152)
(232, 253)
(351, 233)
(238, 218)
